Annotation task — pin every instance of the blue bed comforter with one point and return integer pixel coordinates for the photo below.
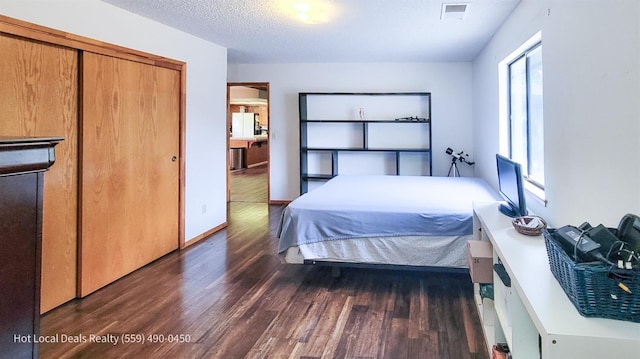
(355, 206)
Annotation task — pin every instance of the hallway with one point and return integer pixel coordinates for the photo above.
(249, 185)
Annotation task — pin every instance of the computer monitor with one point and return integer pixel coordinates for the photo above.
(511, 187)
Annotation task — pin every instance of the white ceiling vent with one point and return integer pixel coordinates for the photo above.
(454, 11)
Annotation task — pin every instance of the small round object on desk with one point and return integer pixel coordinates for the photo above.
(529, 225)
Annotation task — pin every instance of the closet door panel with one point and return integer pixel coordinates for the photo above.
(39, 98)
(130, 167)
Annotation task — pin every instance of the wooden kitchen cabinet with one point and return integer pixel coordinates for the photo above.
(258, 153)
(255, 151)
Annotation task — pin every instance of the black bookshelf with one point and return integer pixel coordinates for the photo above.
(362, 127)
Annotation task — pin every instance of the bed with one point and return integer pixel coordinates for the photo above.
(383, 220)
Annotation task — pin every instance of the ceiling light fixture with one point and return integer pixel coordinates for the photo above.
(302, 7)
(312, 11)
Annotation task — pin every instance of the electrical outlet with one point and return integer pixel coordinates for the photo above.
(204, 208)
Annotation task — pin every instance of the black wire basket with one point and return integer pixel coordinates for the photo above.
(596, 289)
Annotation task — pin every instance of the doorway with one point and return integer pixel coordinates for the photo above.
(248, 142)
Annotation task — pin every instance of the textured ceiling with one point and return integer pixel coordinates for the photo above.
(268, 31)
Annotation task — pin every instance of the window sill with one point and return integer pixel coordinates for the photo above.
(536, 192)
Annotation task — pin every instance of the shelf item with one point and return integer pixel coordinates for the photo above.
(364, 133)
(480, 257)
(595, 288)
(534, 315)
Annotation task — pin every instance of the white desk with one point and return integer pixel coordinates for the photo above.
(535, 317)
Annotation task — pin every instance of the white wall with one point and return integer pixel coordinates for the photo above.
(449, 84)
(206, 88)
(591, 64)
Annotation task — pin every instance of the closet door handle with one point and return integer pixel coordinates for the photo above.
(174, 158)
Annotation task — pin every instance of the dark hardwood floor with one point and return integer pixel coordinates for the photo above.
(229, 296)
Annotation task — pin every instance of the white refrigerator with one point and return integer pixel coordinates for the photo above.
(243, 124)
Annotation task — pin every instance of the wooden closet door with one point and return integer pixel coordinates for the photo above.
(39, 98)
(130, 167)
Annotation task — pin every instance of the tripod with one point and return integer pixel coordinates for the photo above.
(460, 156)
(453, 169)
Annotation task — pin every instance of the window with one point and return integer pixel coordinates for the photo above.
(525, 115)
